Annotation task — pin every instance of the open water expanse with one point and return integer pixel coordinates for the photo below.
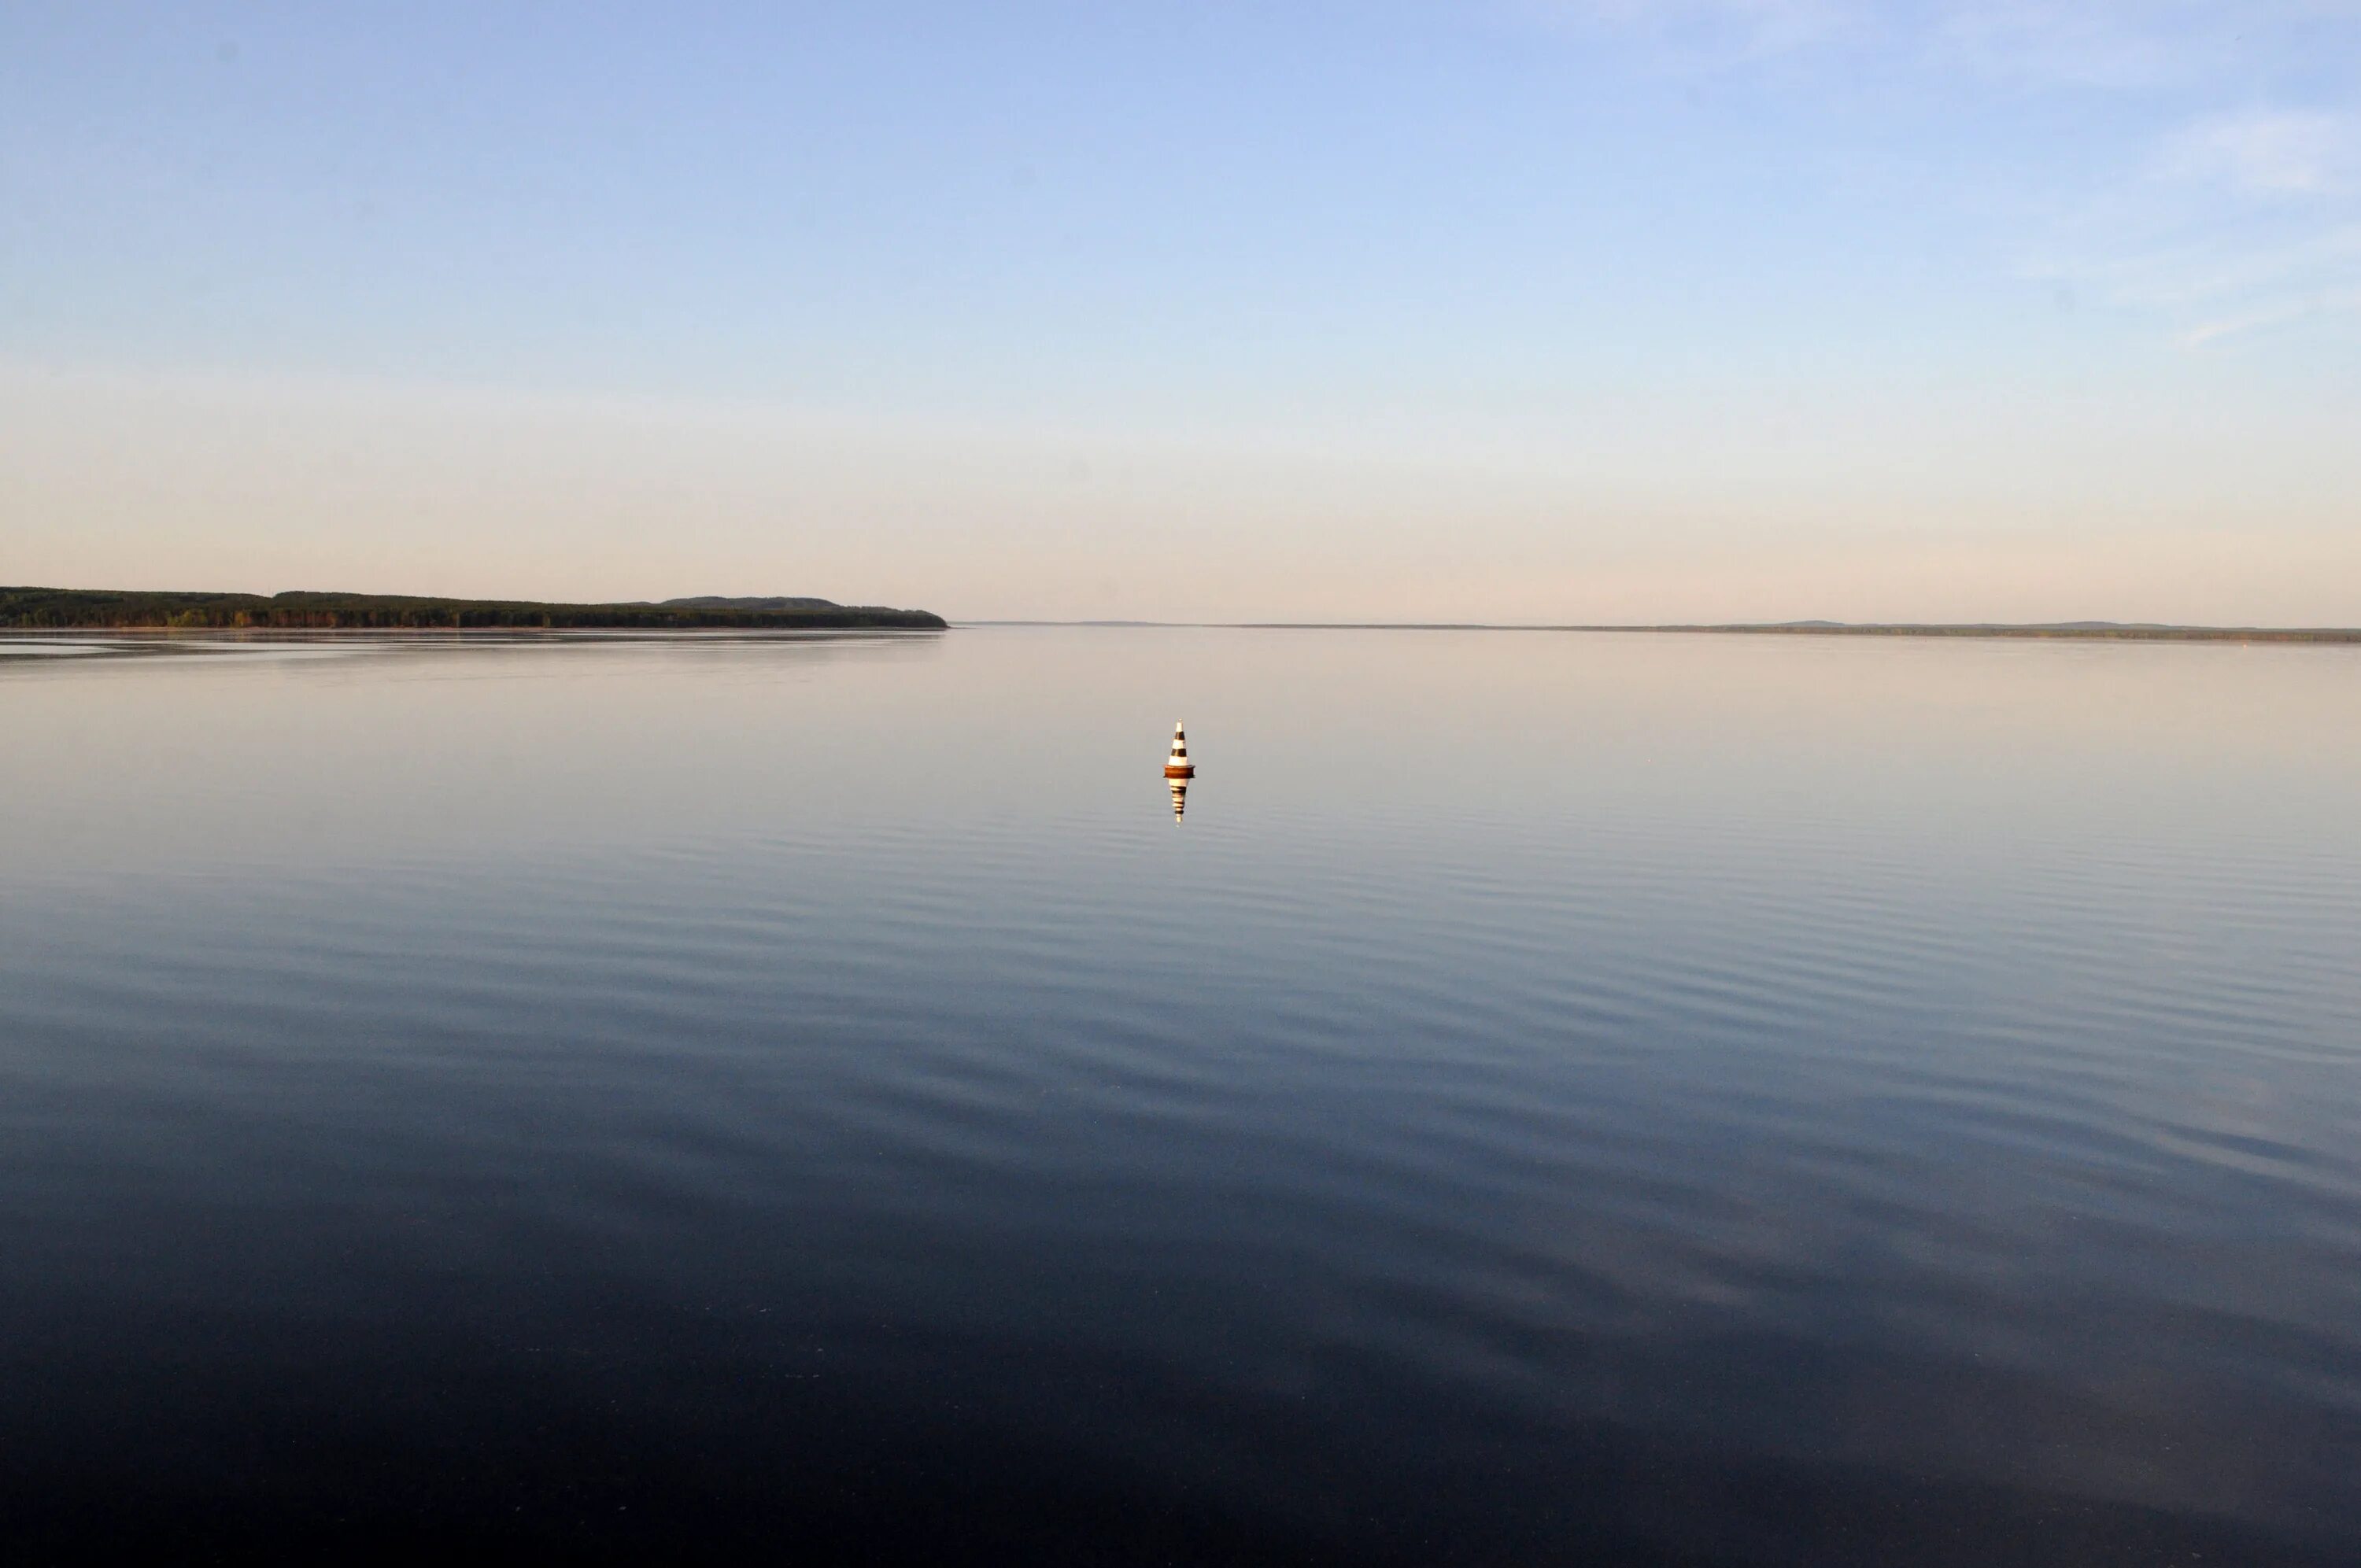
(1554, 1098)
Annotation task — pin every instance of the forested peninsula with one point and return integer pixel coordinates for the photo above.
(90, 608)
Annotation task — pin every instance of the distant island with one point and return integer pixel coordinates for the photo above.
(92, 608)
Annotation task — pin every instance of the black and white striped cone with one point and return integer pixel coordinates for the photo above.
(1178, 771)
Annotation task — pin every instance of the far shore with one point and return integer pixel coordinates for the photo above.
(94, 609)
(2099, 632)
(2073, 632)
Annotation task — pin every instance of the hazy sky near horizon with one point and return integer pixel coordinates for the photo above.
(1522, 310)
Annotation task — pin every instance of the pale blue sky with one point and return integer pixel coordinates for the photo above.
(1540, 309)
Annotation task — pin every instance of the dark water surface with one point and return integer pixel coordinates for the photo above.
(1555, 1098)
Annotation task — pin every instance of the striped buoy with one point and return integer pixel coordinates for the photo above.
(1178, 771)
(1176, 765)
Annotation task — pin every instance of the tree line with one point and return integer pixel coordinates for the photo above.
(70, 608)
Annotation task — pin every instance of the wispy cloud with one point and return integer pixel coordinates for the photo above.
(2200, 273)
(2233, 204)
(2217, 249)
(1712, 33)
(2269, 151)
(2243, 221)
(2118, 45)
(2330, 302)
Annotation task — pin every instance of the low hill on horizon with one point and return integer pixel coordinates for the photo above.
(100, 609)
(716, 601)
(2083, 630)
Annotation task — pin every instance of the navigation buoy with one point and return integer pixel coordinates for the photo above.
(1178, 771)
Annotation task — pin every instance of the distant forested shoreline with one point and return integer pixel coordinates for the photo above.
(2089, 631)
(2092, 631)
(94, 609)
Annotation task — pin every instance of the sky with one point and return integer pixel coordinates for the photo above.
(1524, 310)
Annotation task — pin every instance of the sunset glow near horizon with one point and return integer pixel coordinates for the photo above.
(1535, 311)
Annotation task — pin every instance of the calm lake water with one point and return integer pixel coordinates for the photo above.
(1554, 1098)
